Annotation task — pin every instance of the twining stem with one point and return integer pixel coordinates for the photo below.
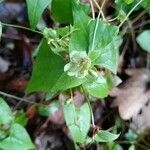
(103, 4)
(91, 111)
(95, 31)
(92, 8)
(130, 13)
(100, 9)
(113, 19)
(132, 22)
(18, 98)
(21, 27)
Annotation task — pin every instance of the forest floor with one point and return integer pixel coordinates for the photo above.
(127, 108)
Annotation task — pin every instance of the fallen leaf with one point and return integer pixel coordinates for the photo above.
(132, 96)
(141, 121)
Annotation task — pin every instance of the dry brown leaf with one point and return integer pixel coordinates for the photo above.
(132, 96)
(141, 121)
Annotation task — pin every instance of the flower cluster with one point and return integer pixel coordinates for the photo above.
(79, 64)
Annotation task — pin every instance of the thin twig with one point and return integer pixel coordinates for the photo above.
(18, 98)
(113, 19)
(15, 37)
(103, 4)
(92, 8)
(95, 31)
(139, 16)
(103, 16)
(134, 21)
(141, 24)
(21, 27)
(130, 13)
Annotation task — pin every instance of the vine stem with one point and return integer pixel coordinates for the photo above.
(103, 4)
(96, 27)
(21, 27)
(100, 9)
(133, 21)
(92, 115)
(89, 104)
(113, 19)
(130, 13)
(17, 98)
(92, 8)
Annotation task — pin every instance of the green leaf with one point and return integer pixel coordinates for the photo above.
(0, 30)
(6, 116)
(36, 51)
(78, 121)
(131, 135)
(21, 118)
(79, 38)
(18, 139)
(63, 31)
(35, 10)
(114, 146)
(49, 109)
(128, 1)
(146, 5)
(61, 11)
(97, 86)
(112, 81)
(102, 49)
(108, 56)
(132, 147)
(144, 40)
(48, 73)
(101, 34)
(99, 40)
(121, 5)
(105, 136)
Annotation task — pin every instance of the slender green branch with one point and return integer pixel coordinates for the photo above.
(21, 27)
(130, 13)
(17, 98)
(89, 104)
(95, 31)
